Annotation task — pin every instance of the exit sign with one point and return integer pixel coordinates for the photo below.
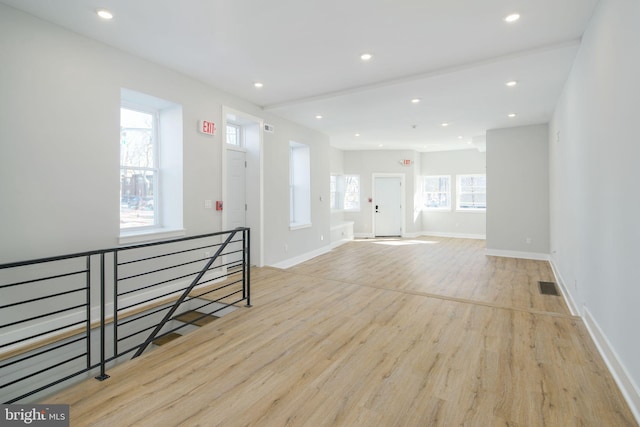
(206, 127)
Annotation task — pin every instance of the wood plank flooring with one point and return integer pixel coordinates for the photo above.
(408, 334)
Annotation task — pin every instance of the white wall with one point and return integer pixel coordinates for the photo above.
(595, 195)
(518, 191)
(365, 164)
(59, 133)
(452, 223)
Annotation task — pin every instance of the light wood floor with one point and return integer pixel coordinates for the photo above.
(424, 332)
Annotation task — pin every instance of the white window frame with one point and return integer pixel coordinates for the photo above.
(299, 186)
(459, 193)
(425, 192)
(168, 159)
(155, 168)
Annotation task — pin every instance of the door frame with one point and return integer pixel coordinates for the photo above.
(255, 162)
(402, 200)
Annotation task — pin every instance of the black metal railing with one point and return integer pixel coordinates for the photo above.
(74, 316)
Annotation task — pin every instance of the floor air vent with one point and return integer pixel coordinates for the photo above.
(548, 288)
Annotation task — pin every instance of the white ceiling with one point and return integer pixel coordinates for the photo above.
(455, 55)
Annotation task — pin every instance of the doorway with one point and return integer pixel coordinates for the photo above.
(387, 205)
(242, 187)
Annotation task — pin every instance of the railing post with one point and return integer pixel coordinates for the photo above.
(103, 376)
(247, 266)
(88, 310)
(115, 302)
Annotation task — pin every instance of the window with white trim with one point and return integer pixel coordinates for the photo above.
(151, 178)
(299, 185)
(139, 172)
(436, 194)
(471, 192)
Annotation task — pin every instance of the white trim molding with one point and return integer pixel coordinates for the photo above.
(517, 254)
(628, 388)
(301, 258)
(454, 235)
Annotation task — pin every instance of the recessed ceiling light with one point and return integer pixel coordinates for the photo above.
(445, 124)
(318, 116)
(511, 115)
(104, 14)
(258, 85)
(356, 135)
(511, 83)
(512, 18)
(460, 137)
(366, 56)
(380, 145)
(415, 100)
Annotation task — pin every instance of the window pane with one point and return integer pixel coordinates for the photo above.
(233, 134)
(351, 192)
(437, 192)
(137, 198)
(472, 192)
(136, 137)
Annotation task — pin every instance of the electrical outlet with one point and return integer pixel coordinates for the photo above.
(322, 237)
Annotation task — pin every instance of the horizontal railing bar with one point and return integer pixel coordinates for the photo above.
(162, 282)
(151, 313)
(43, 352)
(220, 299)
(41, 279)
(82, 322)
(181, 239)
(148, 300)
(43, 297)
(215, 289)
(51, 384)
(135, 333)
(199, 248)
(120, 279)
(53, 259)
(42, 370)
(44, 315)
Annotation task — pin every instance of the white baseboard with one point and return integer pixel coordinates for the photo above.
(629, 389)
(301, 258)
(517, 254)
(427, 233)
(454, 235)
(568, 296)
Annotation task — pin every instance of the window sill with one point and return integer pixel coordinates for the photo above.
(299, 226)
(472, 210)
(436, 210)
(140, 236)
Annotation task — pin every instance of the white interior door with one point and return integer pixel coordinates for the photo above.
(388, 206)
(236, 201)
